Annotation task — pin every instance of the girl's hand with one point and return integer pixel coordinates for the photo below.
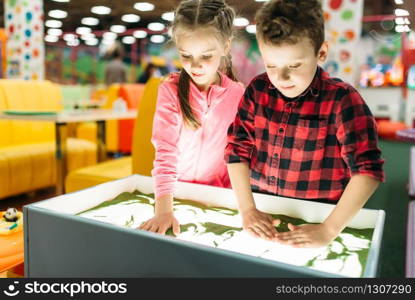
(259, 224)
(160, 223)
(307, 236)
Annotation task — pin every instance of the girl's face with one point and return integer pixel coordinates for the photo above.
(200, 54)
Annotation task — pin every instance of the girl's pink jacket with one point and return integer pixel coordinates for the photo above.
(193, 155)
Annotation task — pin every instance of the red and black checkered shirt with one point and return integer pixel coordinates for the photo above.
(307, 148)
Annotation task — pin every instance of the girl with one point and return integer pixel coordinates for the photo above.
(194, 108)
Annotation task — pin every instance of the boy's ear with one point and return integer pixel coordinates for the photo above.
(323, 52)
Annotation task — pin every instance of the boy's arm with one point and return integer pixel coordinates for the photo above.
(357, 192)
(239, 176)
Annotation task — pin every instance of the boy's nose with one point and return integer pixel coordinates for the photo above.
(284, 74)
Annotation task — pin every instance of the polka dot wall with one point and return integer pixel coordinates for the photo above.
(343, 28)
(25, 46)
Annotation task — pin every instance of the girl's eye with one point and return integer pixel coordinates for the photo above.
(270, 67)
(185, 56)
(295, 66)
(206, 57)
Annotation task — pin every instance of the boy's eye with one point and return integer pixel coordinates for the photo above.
(270, 66)
(185, 56)
(206, 57)
(295, 66)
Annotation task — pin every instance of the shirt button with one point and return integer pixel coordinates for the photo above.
(281, 130)
(276, 155)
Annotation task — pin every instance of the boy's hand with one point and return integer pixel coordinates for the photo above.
(307, 236)
(259, 224)
(161, 223)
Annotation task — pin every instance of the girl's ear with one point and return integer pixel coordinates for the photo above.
(323, 52)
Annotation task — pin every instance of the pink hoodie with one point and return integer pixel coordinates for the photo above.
(193, 155)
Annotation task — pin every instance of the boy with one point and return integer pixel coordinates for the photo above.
(300, 133)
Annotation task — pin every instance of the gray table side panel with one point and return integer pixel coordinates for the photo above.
(70, 246)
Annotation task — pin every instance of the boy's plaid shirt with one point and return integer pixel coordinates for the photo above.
(307, 148)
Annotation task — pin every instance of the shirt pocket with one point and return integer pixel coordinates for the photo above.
(310, 136)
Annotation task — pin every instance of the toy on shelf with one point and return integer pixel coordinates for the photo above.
(11, 221)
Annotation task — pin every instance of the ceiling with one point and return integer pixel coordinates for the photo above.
(78, 9)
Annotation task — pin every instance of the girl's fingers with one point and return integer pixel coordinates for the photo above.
(252, 232)
(176, 228)
(154, 228)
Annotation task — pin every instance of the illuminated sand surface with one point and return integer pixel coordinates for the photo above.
(221, 228)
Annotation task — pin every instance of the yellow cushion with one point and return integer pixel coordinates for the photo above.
(29, 167)
(111, 126)
(100, 173)
(143, 151)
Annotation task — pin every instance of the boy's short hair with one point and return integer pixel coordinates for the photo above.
(288, 21)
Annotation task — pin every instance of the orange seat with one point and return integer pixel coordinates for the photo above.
(131, 93)
(388, 129)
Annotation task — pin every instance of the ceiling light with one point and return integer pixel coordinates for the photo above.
(53, 23)
(58, 14)
(101, 10)
(156, 26)
(140, 34)
(54, 31)
(73, 43)
(130, 18)
(110, 35)
(107, 42)
(398, 2)
(240, 22)
(62, 1)
(402, 28)
(144, 6)
(128, 40)
(90, 21)
(88, 36)
(168, 16)
(83, 30)
(402, 21)
(69, 37)
(157, 39)
(51, 38)
(118, 28)
(401, 12)
(92, 42)
(251, 29)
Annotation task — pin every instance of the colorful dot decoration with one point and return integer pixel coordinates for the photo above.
(347, 15)
(25, 48)
(343, 26)
(335, 4)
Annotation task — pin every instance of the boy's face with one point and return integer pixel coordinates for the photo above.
(200, 54)
(291, 68)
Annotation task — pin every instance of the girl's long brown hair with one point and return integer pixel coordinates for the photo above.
(193, 14)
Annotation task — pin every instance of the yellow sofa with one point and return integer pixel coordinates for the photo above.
(27, 148)
(141, 160)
